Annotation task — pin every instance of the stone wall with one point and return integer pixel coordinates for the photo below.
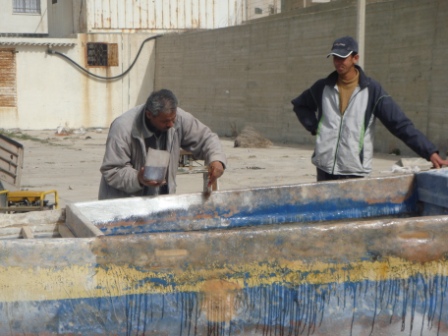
(247, 75)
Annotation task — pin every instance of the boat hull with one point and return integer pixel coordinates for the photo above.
(130, 275)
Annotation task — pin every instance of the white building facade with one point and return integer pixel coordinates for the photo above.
(81, 63)
(23, 17)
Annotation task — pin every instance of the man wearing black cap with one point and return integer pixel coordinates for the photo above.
(340, 111)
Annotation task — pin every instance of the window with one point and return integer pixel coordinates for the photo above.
(102, 54)
(26, 6)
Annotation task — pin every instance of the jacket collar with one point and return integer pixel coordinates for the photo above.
(364, 81)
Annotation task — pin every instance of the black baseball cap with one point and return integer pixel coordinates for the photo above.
(344, 47)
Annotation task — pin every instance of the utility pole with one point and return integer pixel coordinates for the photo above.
(361, 31)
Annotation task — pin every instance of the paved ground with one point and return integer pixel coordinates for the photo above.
(69, 162)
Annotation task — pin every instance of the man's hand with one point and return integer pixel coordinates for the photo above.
(148, 183)
(437, 161)
(215, 171)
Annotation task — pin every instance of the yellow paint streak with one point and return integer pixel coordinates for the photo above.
(72, 282)
(171, 253)
(25, 284)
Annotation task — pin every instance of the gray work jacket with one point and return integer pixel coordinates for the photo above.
(125, 152)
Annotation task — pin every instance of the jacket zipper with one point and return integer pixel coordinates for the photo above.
(340, 127)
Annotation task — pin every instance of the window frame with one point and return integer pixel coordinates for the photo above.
(26, 7)
(110, 54)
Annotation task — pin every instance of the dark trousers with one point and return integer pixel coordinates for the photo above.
(324, 176)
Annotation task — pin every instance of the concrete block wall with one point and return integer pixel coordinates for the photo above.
(247, 75)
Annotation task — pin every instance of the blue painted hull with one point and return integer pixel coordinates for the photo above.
(345, 258)
(388, 307)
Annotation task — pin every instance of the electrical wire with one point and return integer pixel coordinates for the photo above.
(54, 52)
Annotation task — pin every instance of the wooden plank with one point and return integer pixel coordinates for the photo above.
(8, 93)
(11, 160)
(65, 232)
(27, 233)
(21, 230)
(10, 233)
(79, 224)
(36, 218)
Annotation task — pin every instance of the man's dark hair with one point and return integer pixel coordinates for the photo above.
(161, 101)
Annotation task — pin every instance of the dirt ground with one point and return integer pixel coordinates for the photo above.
(69, 162)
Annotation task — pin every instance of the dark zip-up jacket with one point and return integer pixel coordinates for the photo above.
(344, 142)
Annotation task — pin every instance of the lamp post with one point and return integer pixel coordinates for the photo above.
(360, 30)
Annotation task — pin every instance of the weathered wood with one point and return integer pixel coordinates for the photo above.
(65, 232)
(347, 257)
(33, 218)
(26, 233)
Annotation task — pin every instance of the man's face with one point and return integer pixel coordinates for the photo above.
(345, 65)
(163, 121)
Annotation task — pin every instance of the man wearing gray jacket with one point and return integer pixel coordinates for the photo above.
(158, 124)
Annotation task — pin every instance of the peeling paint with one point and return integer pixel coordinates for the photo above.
(355, 276)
